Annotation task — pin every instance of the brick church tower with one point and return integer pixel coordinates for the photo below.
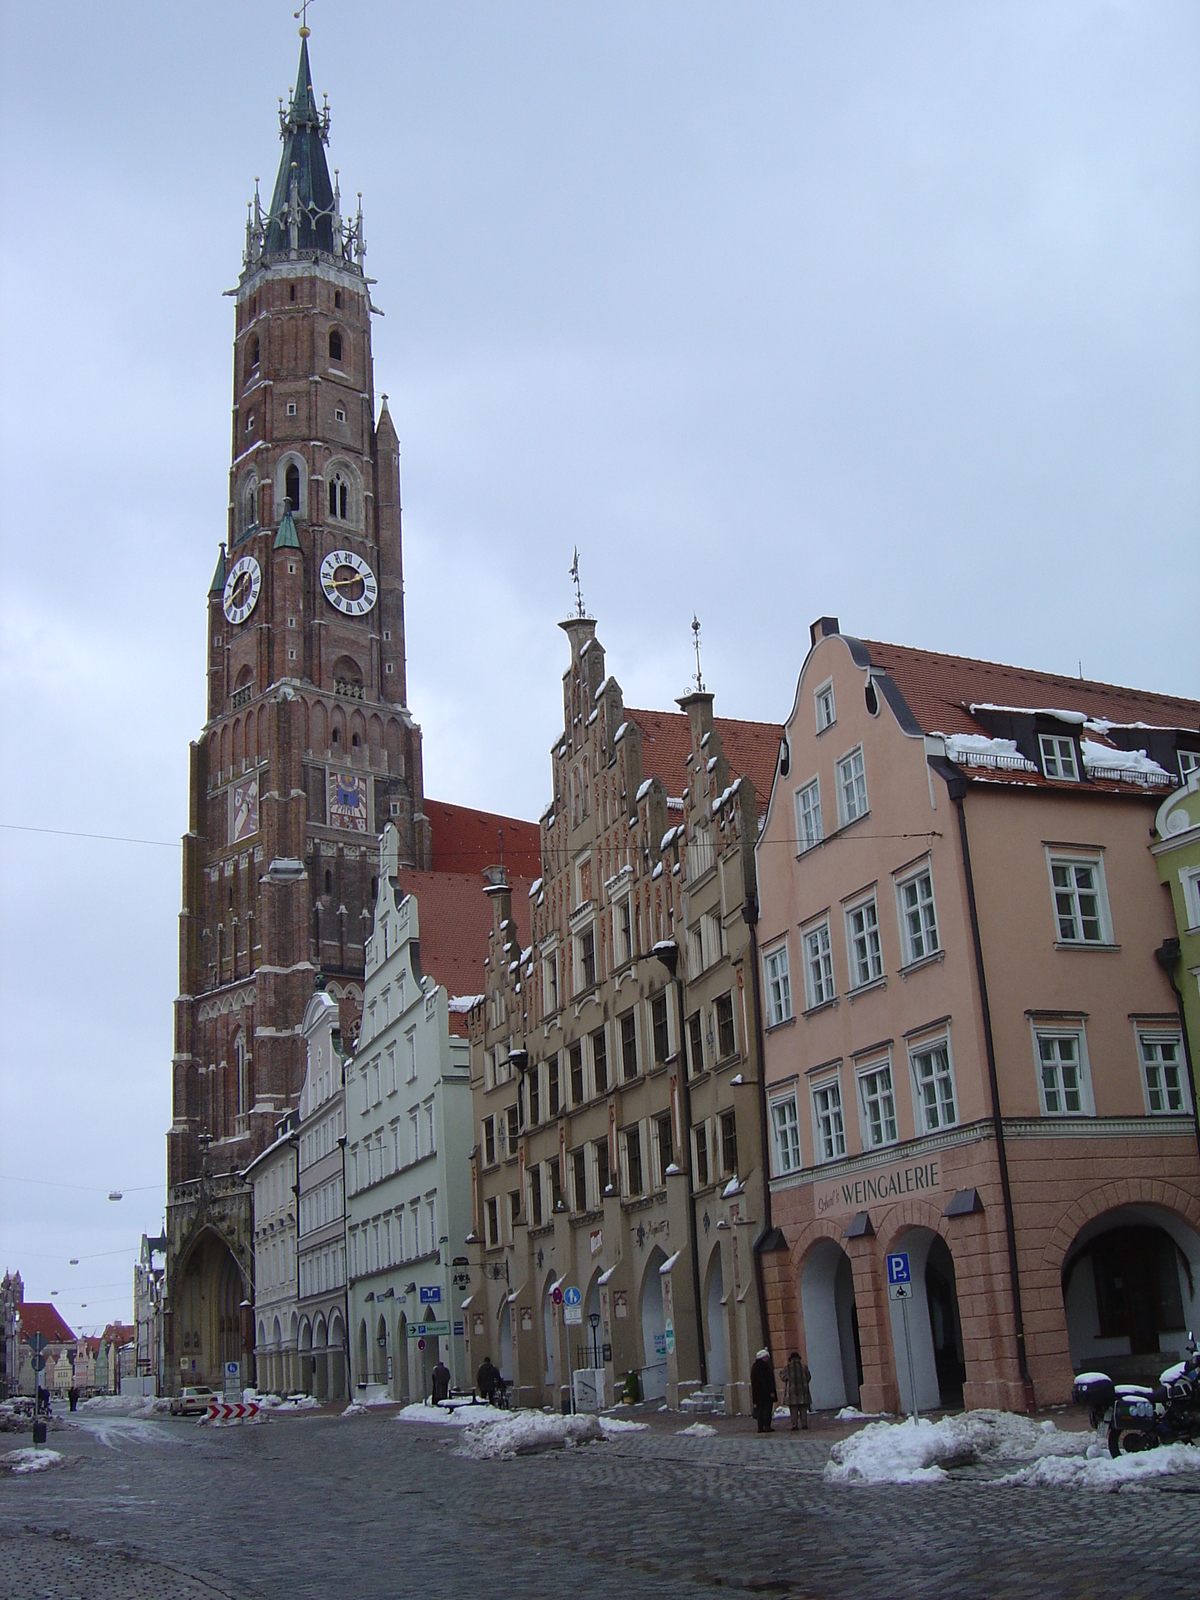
(309, 747)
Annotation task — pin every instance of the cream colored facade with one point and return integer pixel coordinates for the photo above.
(276, 1314)
(965, 1017)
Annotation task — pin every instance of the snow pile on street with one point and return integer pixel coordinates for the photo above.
(139, 1406)
(524, 1433)
(355, 1409)
(920, 1452)
(1098, 1470)
(853, 1414)
(296, 1402)
(32, 1459)
(456, 1417)
(611, 1425)
(698, 1430)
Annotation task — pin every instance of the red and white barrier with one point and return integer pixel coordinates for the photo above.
(225, 1411)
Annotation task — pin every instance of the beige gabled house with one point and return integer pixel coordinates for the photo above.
(971, 1038)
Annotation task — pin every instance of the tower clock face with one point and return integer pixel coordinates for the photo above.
(241, 589)
(348, 582)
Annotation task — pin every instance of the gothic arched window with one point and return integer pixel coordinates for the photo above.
(254, 351)
(339, 497)
(291, 485)
(328, 881)
(252, 504)
(335, 346)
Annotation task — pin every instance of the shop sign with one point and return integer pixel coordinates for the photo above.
(851, 1194)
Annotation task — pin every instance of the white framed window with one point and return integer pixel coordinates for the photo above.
(291, 408)
(1061, 1056)
(1080, 901)
(410, 1055)
(877, 1105)
(852, 787)
(1163, 1071)
(933, 1083)
(550, 982)
(623, 931)
(585, 959)
(829, 1126)
(918, 916)
(696, 950)
(1189, 761)
(818, 966)
(862, 941)
(825, 707)
(492, 1216)
(808, 816)
(1190, 881)
(1058, 757)
(391, 1069)
(779, 985)
(338, 414)
(785, 1128)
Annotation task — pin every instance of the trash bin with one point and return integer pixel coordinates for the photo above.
(39, 1431)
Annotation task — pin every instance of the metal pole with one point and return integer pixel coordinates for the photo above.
(912, 1377)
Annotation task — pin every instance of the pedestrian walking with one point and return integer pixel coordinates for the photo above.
(486, 1379)
(763, 1393)
(797, 1396)
(441, 1381)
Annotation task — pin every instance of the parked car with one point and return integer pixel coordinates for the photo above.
(192, 1402)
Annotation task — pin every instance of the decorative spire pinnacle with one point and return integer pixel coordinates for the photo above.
(696, 646)
(579, 607)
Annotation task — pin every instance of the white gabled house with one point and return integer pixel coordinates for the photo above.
(408, 1169)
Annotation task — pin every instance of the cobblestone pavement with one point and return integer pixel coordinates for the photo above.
(371, 1509)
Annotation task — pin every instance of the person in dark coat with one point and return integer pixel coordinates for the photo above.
(441, 1381)
(486, 1379)
(763, 1393)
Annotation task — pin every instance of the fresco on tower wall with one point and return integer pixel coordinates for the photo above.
(348, 801)
(245, 808)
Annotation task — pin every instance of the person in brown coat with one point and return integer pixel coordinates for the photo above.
(797, 1395)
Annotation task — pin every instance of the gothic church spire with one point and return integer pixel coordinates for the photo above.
(303, 209)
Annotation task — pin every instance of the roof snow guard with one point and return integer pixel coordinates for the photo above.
(305, 217)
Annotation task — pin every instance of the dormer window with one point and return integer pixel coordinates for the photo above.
(335, 346)
(1058, 757)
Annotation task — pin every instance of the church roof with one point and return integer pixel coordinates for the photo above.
(40, 1316)
(304, 131)
(466, 840)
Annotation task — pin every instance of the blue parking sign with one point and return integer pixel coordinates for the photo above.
(898, 1269)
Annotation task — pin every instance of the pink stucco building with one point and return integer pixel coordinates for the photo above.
(972, 1053)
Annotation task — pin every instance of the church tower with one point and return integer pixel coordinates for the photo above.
(309, 748)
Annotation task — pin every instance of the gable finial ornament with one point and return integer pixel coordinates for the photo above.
(301, 17)
(574, 574)
(696, 647)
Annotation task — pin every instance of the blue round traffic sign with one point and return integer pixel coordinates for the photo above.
(572, 1296)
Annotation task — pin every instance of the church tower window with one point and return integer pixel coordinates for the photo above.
(335, 346)
(291, 485)
(339, 497)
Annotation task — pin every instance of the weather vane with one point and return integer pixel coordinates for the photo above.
(696, 647)
(301, 17)
(578, 591)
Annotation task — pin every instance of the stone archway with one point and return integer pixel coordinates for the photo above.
(337, 1358)
(934, 1324)
(208, 1293)
(304, 1355)
(506, 1343)
(654, 1339)
(1131, 1291)
(830, 1313)
(549, 1338)
(400, 1378)
(714, 1323)
(320, 1358)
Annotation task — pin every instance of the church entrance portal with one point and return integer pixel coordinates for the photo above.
(208, 1297)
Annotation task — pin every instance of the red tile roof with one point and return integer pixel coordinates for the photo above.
(751, 748)
(120, 1333)
(940, 689)
(466, 840)
(40, 1316)
(456, 922)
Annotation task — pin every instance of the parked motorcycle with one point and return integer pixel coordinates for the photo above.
(1141, 1416)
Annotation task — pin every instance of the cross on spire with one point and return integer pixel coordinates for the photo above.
(301, 17)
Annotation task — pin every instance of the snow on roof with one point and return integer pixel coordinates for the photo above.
(976, 749)
(535, 888)
(620, 733)
(643, 790)
(1076, 718)
(751, 748)
(1134, 763)
(461, 1004)
(669, 1263)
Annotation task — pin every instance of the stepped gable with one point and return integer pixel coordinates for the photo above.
(40, 1316)
(940, 690)
(467, 840)
(751, 749)
(456, 922)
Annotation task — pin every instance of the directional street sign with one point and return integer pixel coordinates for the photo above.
(897, 1266)
(417, 1330)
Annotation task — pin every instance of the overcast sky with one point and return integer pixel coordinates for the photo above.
(888, 311)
